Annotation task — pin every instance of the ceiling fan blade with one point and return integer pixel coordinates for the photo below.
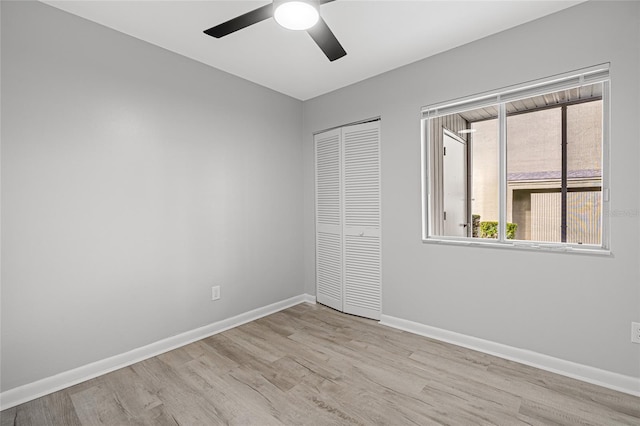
(325, 1)
(240, 22)
(326, 40)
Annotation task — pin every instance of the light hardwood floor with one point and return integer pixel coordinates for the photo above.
(312, 365)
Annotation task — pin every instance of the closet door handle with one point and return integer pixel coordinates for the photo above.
(361, 234)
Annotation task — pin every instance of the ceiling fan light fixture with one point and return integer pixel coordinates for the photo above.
(296, 15)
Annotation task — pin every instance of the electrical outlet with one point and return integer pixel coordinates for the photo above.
(215, 292)
(635, 332)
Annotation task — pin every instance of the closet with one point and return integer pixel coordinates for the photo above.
(348, 226)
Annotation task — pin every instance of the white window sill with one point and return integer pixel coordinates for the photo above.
(521, 245)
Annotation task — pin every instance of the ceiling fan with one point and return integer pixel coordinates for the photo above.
(291, 14)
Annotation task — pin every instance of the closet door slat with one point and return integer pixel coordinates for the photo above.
(361, 230)
(329, 272)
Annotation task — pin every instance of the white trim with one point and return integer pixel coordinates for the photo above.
(424, 182)
(585, 373)
(606, 164)
(309, 298)
(354, 123)
(521, 245)
(502, 173)
(30, 391)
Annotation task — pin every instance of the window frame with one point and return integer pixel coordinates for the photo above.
(500, 98)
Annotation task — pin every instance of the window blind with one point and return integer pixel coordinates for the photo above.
(576, 78)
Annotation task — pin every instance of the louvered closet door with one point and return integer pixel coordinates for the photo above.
(361, 229)
(328, 219)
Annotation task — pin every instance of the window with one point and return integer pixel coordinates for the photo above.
(524, 166)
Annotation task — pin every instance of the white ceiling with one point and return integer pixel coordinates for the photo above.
(377, 35)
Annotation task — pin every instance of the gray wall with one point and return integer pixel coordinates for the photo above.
(134, 179)
(574, 307)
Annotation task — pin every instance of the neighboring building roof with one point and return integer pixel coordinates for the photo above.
(554, 174)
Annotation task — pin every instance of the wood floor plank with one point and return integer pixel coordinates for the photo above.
(262, 397)
(54, 409)
(60, 409)
(100, 405)
(33, 413)
(328, 405)
(201, 351)
(580, 391)
(561, 414)
(184, 403)
(8, 416)
(232, 405)
(311, 365)
(284, 343)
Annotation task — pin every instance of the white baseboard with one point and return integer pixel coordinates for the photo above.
(309, 298)
(585, 373)
(30, 391)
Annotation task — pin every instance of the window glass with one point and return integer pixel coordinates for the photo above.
(484, 184)
(534, 166)
(554, 166)
(584, 169)
(552, 182)
(463, 195)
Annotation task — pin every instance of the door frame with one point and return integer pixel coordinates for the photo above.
(466, 177)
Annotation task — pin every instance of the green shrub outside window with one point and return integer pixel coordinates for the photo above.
(489, 229)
